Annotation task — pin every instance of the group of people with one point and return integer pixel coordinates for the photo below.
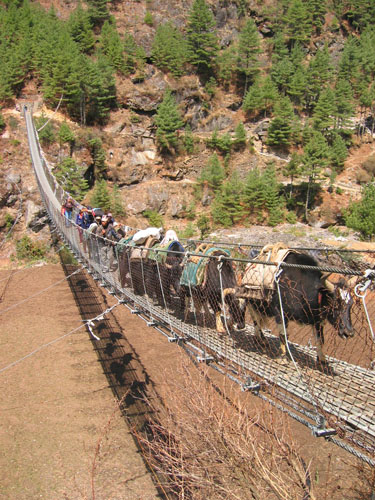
(104, 227)
(98, 232)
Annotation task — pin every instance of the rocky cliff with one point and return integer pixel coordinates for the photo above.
(147, 180)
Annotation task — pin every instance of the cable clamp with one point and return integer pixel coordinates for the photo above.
(278, 273)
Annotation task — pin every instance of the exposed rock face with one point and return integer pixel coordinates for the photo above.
(147, 179)
(10, 183)
(35, 216)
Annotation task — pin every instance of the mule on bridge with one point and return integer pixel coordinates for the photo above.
(294, 293)
(209, 278)
(133, 260)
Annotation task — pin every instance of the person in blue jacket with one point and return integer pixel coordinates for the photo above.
(83, 223)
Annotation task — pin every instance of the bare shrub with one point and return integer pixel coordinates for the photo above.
(364, 486)
(363, 177)
(209, 447)
(369, 165)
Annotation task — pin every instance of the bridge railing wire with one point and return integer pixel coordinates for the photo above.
(192, 298)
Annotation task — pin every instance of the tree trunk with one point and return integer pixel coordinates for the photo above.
(308, 197)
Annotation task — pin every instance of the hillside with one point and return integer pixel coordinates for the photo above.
(173, 179)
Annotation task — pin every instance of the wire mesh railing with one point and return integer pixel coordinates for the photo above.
(292, 325)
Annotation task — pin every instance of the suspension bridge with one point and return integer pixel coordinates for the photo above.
(337, 404)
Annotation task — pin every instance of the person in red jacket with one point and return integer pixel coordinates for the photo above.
(67, 210)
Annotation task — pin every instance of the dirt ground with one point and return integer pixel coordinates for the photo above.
(56, 407)
(62, 435)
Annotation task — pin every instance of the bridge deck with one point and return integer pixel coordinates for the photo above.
(345, 392)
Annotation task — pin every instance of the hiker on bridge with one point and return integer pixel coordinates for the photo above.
(83, 222)
(67, 210)
(109, 236)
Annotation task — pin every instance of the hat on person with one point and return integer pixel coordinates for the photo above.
(98, 217)
(109, 215)
(105, 218)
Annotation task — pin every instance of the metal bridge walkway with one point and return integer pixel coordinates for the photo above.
(345, 393)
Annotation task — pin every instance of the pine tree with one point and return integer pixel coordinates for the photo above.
(112, 46)
(273, 202)
(226, 207)
(348, 69)
(280, 129)
(203, 224)
(282, 72)
(253, 100)
(60, 71)
(2, 122)
(148, 19)
(169, 49)
(248, 50)
(315, 158)
(213, 174)
(280, 50)
(367, 102)
(71, 177)
(224, 143)
(360, 13)
(80, 29)
(168, 121)
(226, 64)
(45, 130)
(344, 102)
(116, 204)
(324, 112)
(201, 36)
(100, 197)
(252, 189)
(319, 74)
(298, 23)
(239, 136)
(98, 90)
(297, 87)
(98, 157)
(269, 94)
(317, 11)
(213, 141)
(339, 152)
(135, 56)
(261, 96)
(66, 136)
(188, 140)
(367, 54)
(360, 214)
(98, 11)
(297, 55)
(292, 169)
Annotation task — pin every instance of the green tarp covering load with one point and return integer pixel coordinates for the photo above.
(125, 242)
(158, 256)
(195, 268)
(174, 246)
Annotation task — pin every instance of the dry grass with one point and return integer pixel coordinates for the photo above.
(209, 447)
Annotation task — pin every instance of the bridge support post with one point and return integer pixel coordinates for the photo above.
(320, 430)
(251, 385)
(205, 359)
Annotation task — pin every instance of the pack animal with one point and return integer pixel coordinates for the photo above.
(217, 290)
(304, 296)
(165, 273)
